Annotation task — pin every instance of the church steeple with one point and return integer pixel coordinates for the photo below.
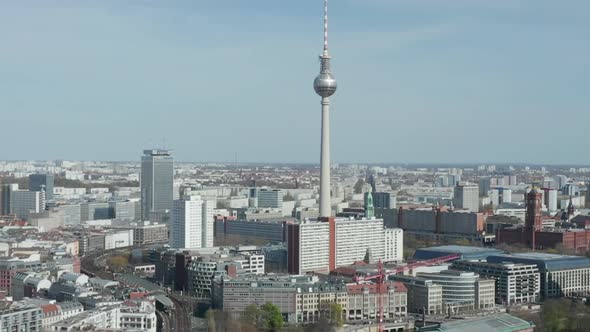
(570, 209)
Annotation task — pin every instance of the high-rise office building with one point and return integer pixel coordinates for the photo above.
(42, 182)
(157, 182)
(270, 198)
(24, 202)
(7, 189)
(383, 200)
(466, 196)
(192, 222)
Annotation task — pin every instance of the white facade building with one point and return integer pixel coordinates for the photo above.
(309, 244)
(270, 198)
(192, 223)
(466, 196)
(118, 239)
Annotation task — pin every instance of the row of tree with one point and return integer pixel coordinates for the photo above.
(268, 317)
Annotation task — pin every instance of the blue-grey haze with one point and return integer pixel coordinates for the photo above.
(419, 80)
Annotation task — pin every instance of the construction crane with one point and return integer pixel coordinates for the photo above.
(382, 275)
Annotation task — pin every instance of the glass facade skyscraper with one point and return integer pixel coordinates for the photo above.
(42, 182)
(157, 181)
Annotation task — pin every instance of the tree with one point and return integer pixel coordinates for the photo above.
(252, 315)
(336, 314)
(118, 263)
(271, 317)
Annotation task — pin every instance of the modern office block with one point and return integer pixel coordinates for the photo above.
(157, 182)
(192, 223)
(466, 196)
(42, 182)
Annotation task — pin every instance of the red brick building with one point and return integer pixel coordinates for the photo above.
(533, 236)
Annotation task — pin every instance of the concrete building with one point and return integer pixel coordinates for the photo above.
(461, 291)
(423, 295)
(250, 230)
(439, 221)
(515, 283)
(561, 275)
(23, 202)
(127, 316)
(95, 211)
(192, 223)
(42, 182)
(27, 284)
(259, 214)
(270, 198)
(147, 233)
(90, 243)
(123, 210)
(364, 300)
(204, 268)
(72, 214)
(118, 239)
(466, 196)
(323, 246)
(550, 199)
(11, 266)
(21, 318)
(157, 177)
(304, 299)
(46, 220)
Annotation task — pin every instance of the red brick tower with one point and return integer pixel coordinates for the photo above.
(532, 222)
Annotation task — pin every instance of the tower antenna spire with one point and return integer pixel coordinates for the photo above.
(325, 26)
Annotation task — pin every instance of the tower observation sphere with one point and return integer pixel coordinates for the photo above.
(325, 84)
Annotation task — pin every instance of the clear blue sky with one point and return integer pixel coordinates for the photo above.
(419, 80)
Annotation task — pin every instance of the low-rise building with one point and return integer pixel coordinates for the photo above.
(461, 291)
(516, 283)
(561, 275)
(423, 295)
(306, 299)
(148, 233)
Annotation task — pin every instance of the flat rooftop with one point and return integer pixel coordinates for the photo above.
(548, 262)
(466, 252)
(497, 323)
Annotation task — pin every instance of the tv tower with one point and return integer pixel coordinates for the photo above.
(325, 86)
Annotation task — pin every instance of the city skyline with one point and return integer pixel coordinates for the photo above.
(441, 70)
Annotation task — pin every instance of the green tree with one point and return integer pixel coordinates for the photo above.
(336, 314)
(271, 317)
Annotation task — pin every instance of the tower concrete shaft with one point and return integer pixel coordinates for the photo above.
(325, 197)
